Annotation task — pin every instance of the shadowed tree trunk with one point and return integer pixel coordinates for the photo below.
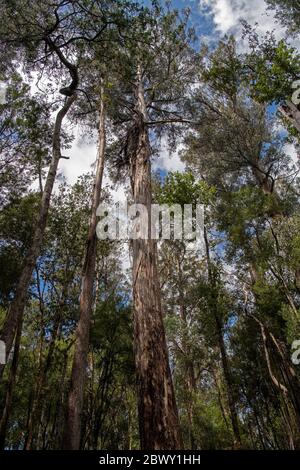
(72, 429)
(11, 385)
(230, 388)
(190, 379)
(158, 417)
(34, 422)
(17, 306)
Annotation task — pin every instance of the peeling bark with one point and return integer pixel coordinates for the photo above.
(158, 416)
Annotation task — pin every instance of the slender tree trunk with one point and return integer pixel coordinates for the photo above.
(230, 388)
(35, 418)
(58, 423)
(39, 402)
(280, 368)
(217, 379)
(11, 385)
(72, 429)
(18, 304)
(158, 417)
(188, 363)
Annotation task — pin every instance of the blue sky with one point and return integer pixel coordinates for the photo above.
(215, 18)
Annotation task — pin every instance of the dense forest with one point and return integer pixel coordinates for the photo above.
(140, 343)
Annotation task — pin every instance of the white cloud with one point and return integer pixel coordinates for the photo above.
(82, 161)
(224, 15)
(3, 87)
(293, 153)
(227, 16)
(167, 159)
(81, 158)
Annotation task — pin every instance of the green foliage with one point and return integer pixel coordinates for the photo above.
(17, 222)
(231, 311)
(273, 67)
(25, 138)
(287, 13)
(182, 188)
(225, 69)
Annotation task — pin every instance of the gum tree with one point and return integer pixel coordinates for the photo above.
(154, 81)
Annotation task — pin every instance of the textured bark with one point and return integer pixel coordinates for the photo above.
(18, 304)
(263, 179)
(292, 113)
(158, 417)
(72, 429)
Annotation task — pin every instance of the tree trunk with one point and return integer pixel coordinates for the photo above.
(11, 385)
(291, 112)
(158, 417)
(35, 417)
(276, 354)
(189, 373)
(58, 423)
(230, 388)
(72, 429)
(18, 304)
